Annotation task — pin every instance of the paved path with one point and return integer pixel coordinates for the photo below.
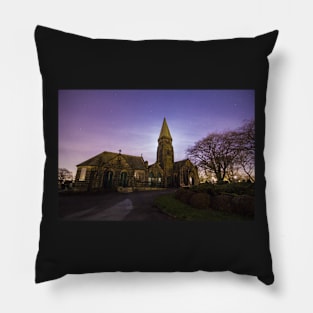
(136, 206)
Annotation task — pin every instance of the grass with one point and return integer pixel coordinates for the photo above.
(184, 212)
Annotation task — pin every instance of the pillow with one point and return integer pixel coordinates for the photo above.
(154, 155)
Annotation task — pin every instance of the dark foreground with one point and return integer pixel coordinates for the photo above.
(136, 206)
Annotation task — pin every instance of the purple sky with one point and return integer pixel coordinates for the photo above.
(93, 121)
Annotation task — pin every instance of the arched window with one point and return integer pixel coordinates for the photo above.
(150, 178)
(82, 175)
(123, 180)
(191, 180)
(108, 179)
(159, 177)
(185, 177)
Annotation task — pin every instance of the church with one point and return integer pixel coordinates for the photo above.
(110, 170)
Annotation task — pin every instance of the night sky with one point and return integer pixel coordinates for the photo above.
(93, 121)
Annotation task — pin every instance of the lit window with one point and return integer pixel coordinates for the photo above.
(82, 176)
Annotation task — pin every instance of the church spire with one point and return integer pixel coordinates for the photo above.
(165, 154)
(165, 132)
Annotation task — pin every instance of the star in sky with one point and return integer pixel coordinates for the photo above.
(93, 121)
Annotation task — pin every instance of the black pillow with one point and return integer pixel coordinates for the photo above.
(198, 220)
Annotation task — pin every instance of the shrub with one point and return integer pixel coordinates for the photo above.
(200, 201)
(179, 193)
(206, 187)
(236, 188)
(222, 203)
(242, 188)
(183, 195)
(184, 212)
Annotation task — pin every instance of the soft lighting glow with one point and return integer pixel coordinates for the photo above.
(121, 119)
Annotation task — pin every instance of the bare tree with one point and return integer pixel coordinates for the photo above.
(215, 154)
(245, 143)
(226, 154)
(65, 175)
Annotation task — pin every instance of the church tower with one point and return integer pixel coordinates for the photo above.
(165, 154)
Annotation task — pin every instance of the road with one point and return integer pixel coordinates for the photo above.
(135, 206)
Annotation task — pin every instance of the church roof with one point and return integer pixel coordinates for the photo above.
(135, 162)
(179, 164)
(155, 165)
(165, 132)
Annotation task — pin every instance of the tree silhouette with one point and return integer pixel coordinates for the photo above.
(226, 154)
(64, 174)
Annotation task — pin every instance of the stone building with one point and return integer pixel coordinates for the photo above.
(112, 170)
